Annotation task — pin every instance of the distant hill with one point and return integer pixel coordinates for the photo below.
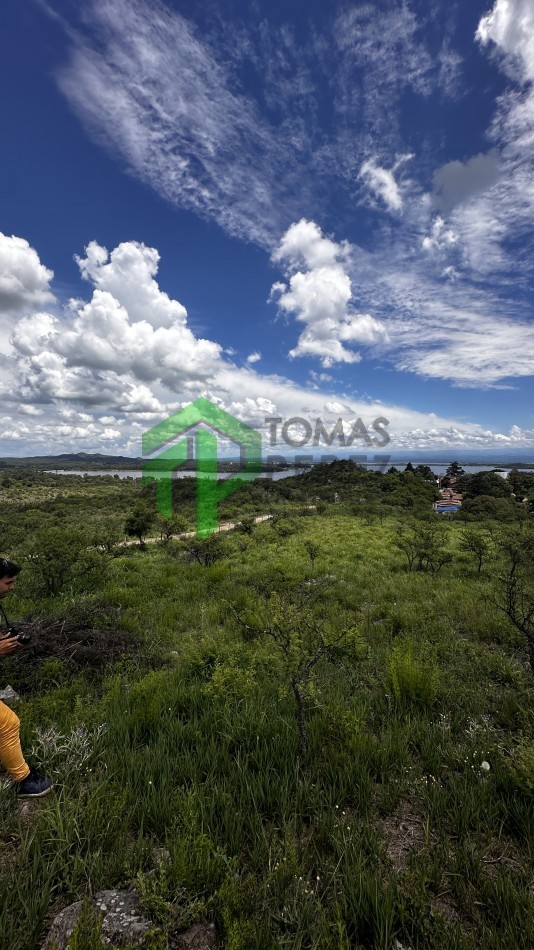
(96, 460)
(86, 460)
(91, 461)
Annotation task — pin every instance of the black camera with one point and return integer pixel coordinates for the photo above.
(18, 634)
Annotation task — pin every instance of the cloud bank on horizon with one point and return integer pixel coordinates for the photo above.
(437, 288)
(99, 372)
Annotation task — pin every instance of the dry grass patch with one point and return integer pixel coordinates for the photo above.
(407, 834)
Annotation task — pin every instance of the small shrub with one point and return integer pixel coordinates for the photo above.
(411, 677)
(522, 768)
(205, 551)
(229, 681)
(67, 753)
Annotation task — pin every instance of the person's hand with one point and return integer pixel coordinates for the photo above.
(8, 645)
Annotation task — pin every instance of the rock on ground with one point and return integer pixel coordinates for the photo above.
(122, 922)
(8, 695)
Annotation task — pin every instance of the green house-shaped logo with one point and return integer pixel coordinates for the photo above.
(209, 491)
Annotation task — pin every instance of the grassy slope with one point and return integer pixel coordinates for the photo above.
(388, 830)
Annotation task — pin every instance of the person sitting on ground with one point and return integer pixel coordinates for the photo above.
(28, 783)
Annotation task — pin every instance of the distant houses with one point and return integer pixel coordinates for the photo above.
(450, 500)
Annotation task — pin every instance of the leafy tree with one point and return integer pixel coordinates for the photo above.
(478, 544)
(107, 538)
(206, 551)
(484, 483)
(515, 480)
(300, 641)
(424, 471)
(522, 483)
(58, 556)
(485, 507)
(423, 547)
(516, 585)
(169, 526)
(138, 523)
(247, 525)
(284, 527)
(455, 470)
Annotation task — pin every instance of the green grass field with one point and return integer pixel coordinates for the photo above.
(388, 830)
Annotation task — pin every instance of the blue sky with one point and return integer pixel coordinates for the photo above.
(300, 210)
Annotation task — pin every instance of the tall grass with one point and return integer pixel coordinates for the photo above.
(200, 757)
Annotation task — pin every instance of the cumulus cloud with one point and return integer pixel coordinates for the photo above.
(127, 274)
(254, 357)
(128, 328)
(24, 281)
(318, 293)
(110, 350)
(95, 377)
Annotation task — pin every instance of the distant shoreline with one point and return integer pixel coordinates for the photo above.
(86, 462)
(438, 470)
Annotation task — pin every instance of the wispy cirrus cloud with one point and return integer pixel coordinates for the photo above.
(180, 111)
(150, 90)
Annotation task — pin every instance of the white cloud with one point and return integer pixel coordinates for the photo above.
(321, 377)
(382, 183)
(130, 329)
(174, 107)
(152, 91)
(225, 122)
(319, 295)
(65, 369)
(254, 357)
(441, 237)
(376, 59)
(24, 281)
(498, 221)
(474, 356)
(127, 274)
(24, 284)
(510, 25)
(304, 244)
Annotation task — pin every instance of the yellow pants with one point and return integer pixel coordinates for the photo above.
(11, 757)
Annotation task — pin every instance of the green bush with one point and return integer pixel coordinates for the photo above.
(412, 676)
(522, 768)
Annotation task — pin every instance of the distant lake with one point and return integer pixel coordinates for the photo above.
(137, 473)
(275, 476)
